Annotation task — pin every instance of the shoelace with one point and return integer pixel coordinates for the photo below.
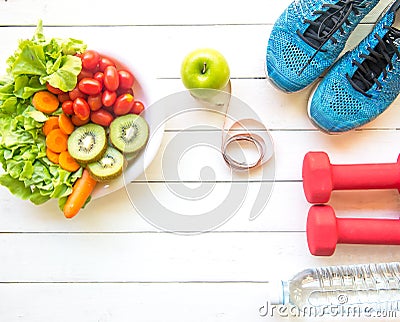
(377, 62)
(322, 29)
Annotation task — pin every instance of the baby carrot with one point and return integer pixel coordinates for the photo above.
(81, 191)
(57, 141)
(45, 102)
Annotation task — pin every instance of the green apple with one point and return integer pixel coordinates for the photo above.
(205, 68)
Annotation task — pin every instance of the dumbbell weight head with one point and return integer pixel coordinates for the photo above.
(317, 177)
(322, 235)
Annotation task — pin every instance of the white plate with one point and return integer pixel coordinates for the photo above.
(144, 90)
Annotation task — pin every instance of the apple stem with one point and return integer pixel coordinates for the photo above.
(204, 68)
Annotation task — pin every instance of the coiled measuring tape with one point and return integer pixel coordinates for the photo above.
(237, 129)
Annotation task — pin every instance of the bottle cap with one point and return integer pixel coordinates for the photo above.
(275, 292)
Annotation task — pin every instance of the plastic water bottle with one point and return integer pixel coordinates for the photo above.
(375, 287)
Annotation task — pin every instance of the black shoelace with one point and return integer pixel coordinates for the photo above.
(329, 21)
(376, 63)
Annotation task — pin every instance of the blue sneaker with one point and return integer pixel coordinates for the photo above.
(363, 82)
(308, 37)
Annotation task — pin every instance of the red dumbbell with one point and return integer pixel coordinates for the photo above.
(320, 177)
(325, 230)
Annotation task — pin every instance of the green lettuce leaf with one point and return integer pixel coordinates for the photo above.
(28, 173)
(15, 186)
(30, 61)
(65, 75)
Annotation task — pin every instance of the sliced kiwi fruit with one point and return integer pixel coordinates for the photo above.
(109, 166)
(129, 133)
(87, 143)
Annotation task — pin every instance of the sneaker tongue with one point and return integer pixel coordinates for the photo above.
(316, 34)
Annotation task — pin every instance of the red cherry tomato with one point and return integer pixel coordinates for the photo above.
(81, 108)
(99, 76)
(126, 79)
(90, 86)
(104, 62)
(102, 117)
(77, 121)
(108, 98)
(95, 102)
(75, 93)
(53, 90)
(63, 97)
(90, 59)
(85, 74)
(121, 91)
(137, 107)
(123, 104)
(111, 78)
(68, 107)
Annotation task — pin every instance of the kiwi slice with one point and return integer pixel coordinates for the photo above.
(109, 166)
(129, 133)
(87, 143)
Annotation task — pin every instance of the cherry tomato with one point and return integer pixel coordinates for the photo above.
(99, 76)
(123, 104)
(109, 109)
(53, 90)
(125, 79)
(104, 62)
(85, 74)
(111, 78)
(81, 108)
(90, 59)
(75, 93)
(137, 107)
(102, 117)
(63, 97)
(77, 121)
(68, 107)
(121, 91)
(95, 102)
(108, 98)
(90, 86)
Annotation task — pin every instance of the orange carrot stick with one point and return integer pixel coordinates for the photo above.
(45, 102)
(81, 191)
(50, 124)
(67, 162)
(57, 141)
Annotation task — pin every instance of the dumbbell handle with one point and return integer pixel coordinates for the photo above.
(368, 231)
(366, 176)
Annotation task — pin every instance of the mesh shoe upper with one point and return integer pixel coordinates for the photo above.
(308, 37)
(363, 83)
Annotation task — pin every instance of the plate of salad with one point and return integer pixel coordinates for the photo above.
(74, 122)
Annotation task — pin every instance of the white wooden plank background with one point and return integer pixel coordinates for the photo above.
(109, 264)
